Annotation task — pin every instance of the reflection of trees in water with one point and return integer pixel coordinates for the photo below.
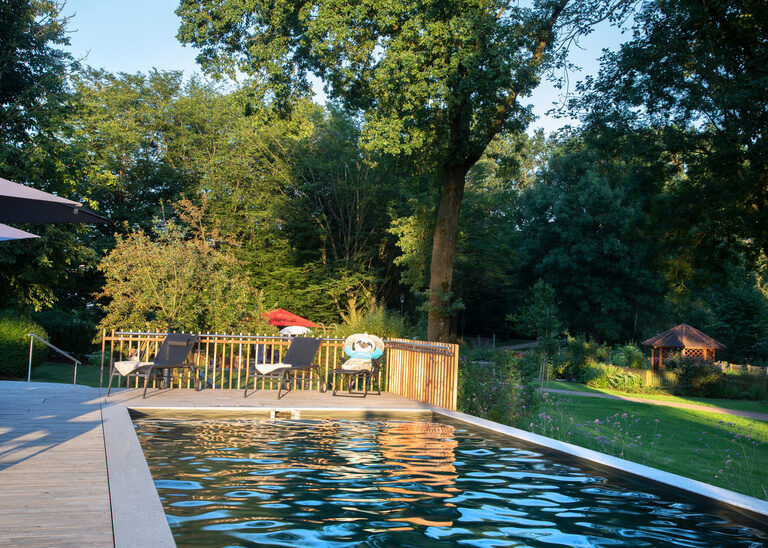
(419, 458)
(382, 469)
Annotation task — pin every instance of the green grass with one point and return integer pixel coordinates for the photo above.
(730, 452)
(87, 375)
(741, 405)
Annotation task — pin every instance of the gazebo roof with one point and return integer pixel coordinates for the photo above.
(683, 336)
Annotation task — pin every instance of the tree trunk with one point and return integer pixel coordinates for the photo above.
(444, 253)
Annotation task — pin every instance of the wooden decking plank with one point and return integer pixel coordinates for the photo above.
(53, 469)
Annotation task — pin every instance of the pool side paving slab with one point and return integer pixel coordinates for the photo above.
(73, 473)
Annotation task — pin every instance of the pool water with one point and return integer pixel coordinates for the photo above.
(345, 483)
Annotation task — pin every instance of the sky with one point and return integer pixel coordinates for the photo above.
(138, 35)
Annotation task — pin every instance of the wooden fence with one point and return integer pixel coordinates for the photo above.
(427, 372)
(740, 380)
(423, 371)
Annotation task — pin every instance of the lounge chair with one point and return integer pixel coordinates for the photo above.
(172, 354)
(365, 352)
(298, 357)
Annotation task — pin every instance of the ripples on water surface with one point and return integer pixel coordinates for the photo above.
(399, 483)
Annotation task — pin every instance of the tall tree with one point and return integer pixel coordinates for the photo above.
(581, 229)
(694, 78)
(436, 79)
(35, 108)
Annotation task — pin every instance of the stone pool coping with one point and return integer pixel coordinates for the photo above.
(751, 505)
(139, 518)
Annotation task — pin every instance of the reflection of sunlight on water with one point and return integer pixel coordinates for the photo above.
(369, 483)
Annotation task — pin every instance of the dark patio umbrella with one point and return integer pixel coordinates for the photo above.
(10, 233)
(23, 204)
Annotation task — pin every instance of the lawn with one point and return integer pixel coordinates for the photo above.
(741, 405)
(730, 452)
(87, 375)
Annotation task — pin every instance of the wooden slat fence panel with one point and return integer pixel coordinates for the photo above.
(427, 372)
(423, 371)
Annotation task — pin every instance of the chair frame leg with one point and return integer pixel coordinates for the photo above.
(111, 375)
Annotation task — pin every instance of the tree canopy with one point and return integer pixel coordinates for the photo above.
(436, 80)
(647, 215)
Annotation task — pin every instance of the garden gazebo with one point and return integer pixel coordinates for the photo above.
(682, 339)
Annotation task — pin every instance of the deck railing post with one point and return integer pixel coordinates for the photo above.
(29, 371)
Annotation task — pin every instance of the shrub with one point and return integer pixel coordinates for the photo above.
(593, 375)
(376, 321)
(577, 354)
(630, 355)
(14, 345)
(500, 390)
(696, 377)
(67, 331)
(607, 376)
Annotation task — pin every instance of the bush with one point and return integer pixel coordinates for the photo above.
(630, 355)
(67, 332)
(377, 321)
(697, 377)
(14, 345)
(499, 389)
(607, 376)
(577, 354)
(593, 375)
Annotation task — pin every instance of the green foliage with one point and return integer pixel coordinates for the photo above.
(539, 316)
(577, 354)
(727, 451)
(66, 331)
(630, 355)
(378, 321)
(580, 226)
(687, 92)
(14, 345)
(696, 377)
(499, 389)
(606, 376)
(435, 81)
(172, 281)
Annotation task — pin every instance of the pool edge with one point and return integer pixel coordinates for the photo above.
(743, 503)
(138, 517)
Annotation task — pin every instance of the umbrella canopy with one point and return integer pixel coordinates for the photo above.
(283, 317)
(24, 204)
(295, 330)
(10, 233)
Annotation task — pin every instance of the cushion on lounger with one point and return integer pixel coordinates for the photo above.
(267, 368)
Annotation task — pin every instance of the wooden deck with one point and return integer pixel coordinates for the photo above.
(60, 471)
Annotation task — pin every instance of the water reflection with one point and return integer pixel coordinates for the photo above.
(398, 483)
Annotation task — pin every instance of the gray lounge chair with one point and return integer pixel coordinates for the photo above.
(172, 354)
(298, 357)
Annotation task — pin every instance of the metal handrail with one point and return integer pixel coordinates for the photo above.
(32, 336)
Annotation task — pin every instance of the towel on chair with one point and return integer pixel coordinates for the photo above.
(267, 368)
(129, 366)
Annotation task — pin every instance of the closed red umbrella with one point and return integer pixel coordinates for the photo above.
(283, 317)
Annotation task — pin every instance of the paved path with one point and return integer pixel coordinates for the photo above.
(721, 410)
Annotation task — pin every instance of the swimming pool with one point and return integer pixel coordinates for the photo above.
(253, 482)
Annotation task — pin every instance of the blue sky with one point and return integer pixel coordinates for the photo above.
(138, 35)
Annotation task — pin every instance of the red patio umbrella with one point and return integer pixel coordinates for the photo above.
(283, 317)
